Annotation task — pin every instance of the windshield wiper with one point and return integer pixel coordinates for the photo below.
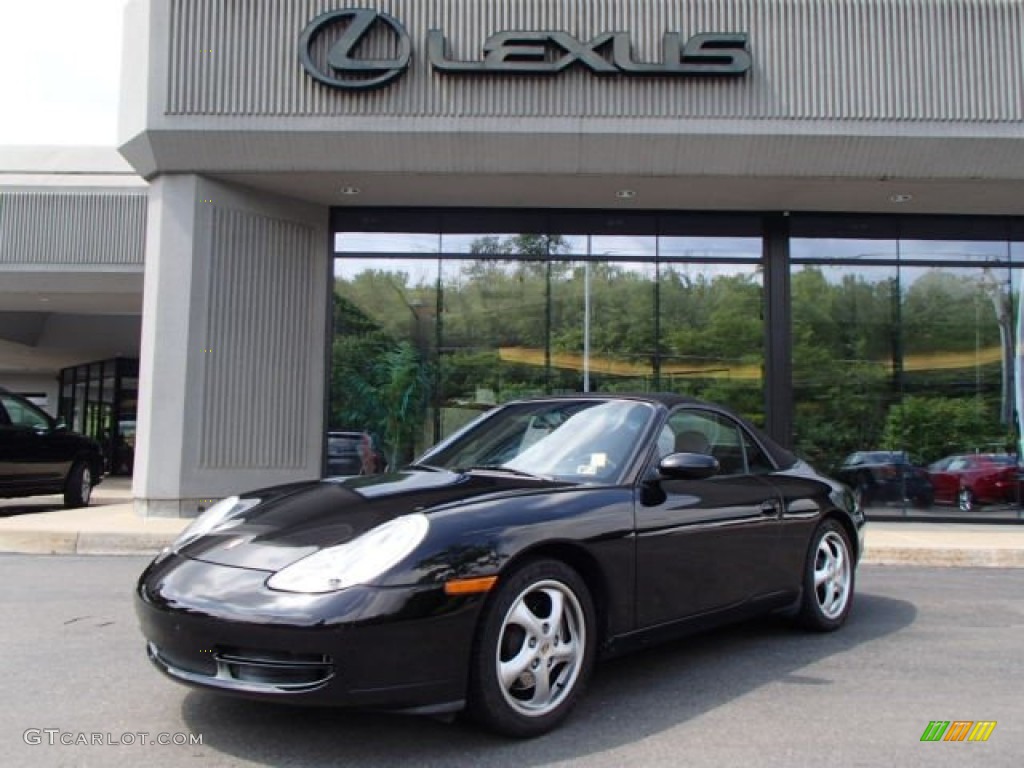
(502, 468)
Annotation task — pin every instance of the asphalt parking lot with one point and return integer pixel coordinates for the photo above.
(922, 644)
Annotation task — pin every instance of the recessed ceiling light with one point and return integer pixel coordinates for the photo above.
(625, 194)
(902, 198)
(350, 191)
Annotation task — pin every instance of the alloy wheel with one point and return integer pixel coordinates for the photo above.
(832, 571)
(541, 648)
(86, 487)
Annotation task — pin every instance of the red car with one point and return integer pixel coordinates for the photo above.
(968, 479)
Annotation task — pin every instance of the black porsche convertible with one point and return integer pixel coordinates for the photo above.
(492, 573)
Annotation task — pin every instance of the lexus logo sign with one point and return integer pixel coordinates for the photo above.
(330, 48)
(343, 70)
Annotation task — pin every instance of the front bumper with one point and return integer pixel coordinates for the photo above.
(220, 628)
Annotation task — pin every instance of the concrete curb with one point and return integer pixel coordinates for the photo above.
(99, 543)
(82, 543)
(39, 542)
(953, 558)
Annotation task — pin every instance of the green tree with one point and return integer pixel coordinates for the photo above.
(933, 427)
(378, 384)
(404, 394)
(945, 312)
(359, 342)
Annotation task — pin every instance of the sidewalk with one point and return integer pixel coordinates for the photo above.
(110, 526)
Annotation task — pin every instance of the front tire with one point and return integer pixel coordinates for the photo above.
(828, 579)
(78, 488)
(534, 651)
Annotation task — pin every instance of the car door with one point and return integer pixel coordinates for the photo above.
(946, 477)
(704, 544)
(28, 457)
(7, 451)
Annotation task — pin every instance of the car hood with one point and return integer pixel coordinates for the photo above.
(292, 522)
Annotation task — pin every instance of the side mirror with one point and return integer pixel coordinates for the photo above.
(688, 466)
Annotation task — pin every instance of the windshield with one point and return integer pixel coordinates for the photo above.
(582, 441)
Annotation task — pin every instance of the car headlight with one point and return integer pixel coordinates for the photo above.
(213, 517)
(355, 562)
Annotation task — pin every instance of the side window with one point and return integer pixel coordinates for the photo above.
(691, 432)
(728, 447)
(758, 462)
(23, 415)
(697, 431)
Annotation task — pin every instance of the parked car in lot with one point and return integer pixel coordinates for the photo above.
(494, 571)
(39, 456)
(969, 479)
(886, 476)
(353, 453)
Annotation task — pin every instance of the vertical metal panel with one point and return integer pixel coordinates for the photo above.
(942, 60)
(778, 330)
(76, 228)
(262, 285)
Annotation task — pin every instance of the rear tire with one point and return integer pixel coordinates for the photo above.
(828, 579)
(78, 488)
(534, 651)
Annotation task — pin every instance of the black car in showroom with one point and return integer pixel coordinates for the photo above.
(39, 456)
(885, 477)
(491, 574)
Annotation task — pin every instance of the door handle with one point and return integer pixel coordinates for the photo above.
(770, 507)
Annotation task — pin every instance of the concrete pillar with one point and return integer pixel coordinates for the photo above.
(232, 370)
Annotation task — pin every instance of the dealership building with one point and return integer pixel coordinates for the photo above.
(811, 211)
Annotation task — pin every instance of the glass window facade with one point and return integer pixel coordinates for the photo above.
(899, 336)
(904, 350)
(101, 400)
